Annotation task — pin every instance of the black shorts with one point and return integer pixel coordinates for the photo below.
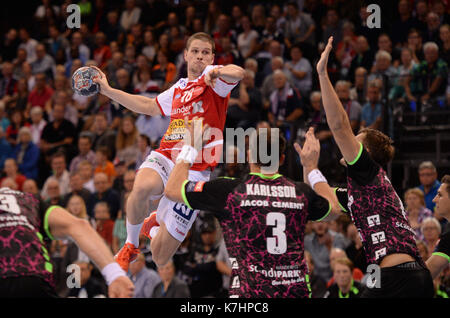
(408, 280)
(26, 287)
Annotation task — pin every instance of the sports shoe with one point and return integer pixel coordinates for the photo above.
(127, 254)
(149, 222)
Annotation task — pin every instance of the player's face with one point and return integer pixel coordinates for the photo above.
(198, 56)
(442, 200)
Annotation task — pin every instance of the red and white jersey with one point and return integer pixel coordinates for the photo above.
(195, 99)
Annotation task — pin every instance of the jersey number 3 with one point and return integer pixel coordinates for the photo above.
(276, 244)
(8, 203)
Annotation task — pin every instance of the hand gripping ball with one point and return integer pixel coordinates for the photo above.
(82, 81)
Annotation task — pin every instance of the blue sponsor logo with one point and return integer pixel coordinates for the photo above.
(183, 211)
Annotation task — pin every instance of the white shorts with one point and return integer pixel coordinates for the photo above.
(177, 217)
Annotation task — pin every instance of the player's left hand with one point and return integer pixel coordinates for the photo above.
(121, 287)
(309, 154)
(212, 76)
(196, 133)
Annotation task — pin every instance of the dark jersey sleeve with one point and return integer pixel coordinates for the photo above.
(443, 248)
(342, 196)
(363, 169)
(318, 206)
(210, 196)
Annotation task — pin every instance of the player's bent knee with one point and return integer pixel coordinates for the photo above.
(147, 183)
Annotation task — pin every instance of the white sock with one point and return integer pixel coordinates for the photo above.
(133, 231)
(154, 231)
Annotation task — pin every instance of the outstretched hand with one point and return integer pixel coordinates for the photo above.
(309, 154)
(121, 287)
(101, 80)
(212, 76)
(323, 62)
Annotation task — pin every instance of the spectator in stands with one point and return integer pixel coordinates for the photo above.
(4, 120)
(228, 55)
(318, 285)
(127, 148)
(76, 185)
(90, 286)
(363, 58)
(103, 164)
(245, 103)
(285, 101)
(104, 192)
(145, 85)
(124, 80)
(345, 286)
(319, 244)
(299, 26)
(429, 183)
(371, 114)
(258, 17)
(52, 195)
(416, 210)
(144, 279)
(26, 154)
(346, 49)
(103, 136)
(77, 49)
(300, 71)
(56, 42)
(11, 171)
(268, 86)
(355, 250)
(246, 41)
(61, 97)
(30, 186)
(103, 223)
(352, 107)
(359, 91)
(60, 173)
(431, 229)
(17, 121)
(9, 45)
(428, 80)
(149, 47)
(86, 172)
(57, 134)
(333, 26)
(6, 151)
(76, 205)
(170, 286)
(85, 152)
(102, 52)
(384, 72)
(431, 34)
(145, 148)
(444, 35)
(44, 63)
(337, 253)
(8, 84)
(405, 23)
(403, 71)
(164, 71)
(28, 44)
(19, 99)
(385, 44)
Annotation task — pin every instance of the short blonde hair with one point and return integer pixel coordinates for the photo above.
(418, 192)
(203, 37)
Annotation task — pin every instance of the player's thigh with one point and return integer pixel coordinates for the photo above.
(148, 183)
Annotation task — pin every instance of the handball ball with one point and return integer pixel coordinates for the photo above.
(82, 81)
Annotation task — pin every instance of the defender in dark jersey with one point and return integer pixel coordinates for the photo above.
(263, 217)
(26, 224)
(374, 206)
(440, 258)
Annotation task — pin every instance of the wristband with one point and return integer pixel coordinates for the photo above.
(187, 154)
(112, 271)
(316, 176)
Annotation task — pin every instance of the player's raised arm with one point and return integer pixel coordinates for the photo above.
(309, 156)
(60, 223)
(337, 118)
(230, 73)
(136, 103)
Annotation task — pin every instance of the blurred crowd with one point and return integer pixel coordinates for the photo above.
(82, 152)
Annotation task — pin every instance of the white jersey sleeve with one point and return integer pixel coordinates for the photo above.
(222, 88)
(165, 100)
